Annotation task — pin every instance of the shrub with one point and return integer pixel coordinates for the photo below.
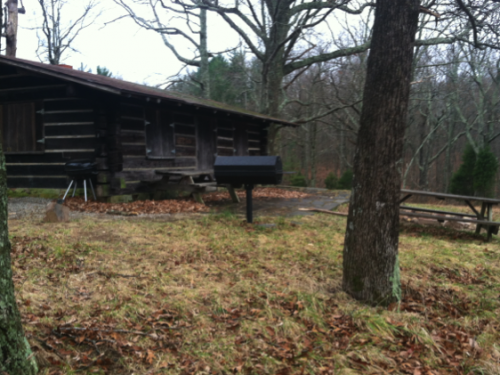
(485, 171)
(331, 181)
(345, 181)
(462, 181)
(476, 174)
(299, 180)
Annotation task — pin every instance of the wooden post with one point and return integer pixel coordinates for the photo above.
(197, 197)
(489, 213)
(483, 210)
(233, 194)
(11, 28)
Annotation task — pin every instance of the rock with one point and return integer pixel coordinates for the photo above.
(56, 212)
(458, 225)
(430, 222)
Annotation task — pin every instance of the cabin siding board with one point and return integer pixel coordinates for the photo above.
(41, 182)
(86, 115)
(24, 81)
(43, 92)
(142, 162)
(67, 104)
(61, 157)
(70, 130)
(35, 170)
(72, 143)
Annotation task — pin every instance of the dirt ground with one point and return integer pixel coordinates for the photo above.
(266, 202)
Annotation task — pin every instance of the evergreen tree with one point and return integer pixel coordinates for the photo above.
(298, 180)
(476, 175)
(484, 173)
(331, 181)
(241, 85)
(229, 81)
(220, 80)
(84, 68)
(103, 71)
(345, 181)
(462, 182)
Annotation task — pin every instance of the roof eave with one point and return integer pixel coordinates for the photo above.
(121, 92)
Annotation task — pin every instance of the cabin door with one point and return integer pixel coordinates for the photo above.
(207, 138)
(159, 135)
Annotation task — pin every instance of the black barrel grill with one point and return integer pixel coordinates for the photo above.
(80, 170)
(248, 171)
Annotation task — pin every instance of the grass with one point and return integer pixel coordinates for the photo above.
(214, 295)
(37, 193)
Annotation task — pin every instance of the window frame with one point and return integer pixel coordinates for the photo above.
(38, 128)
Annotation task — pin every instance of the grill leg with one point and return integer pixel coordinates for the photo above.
(92, 187)
(67, 190)
(85, 189)
(249, 189)
(74, 190)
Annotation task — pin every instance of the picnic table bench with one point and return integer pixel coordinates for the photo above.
(192, 181)
(482, 218)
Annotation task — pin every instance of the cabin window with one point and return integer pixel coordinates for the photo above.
(184, 135)
(254, 141)
(225, 139)
(21, 127)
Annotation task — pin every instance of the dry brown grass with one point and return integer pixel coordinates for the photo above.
(214, 295)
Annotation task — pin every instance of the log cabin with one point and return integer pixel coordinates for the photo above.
(50, 115)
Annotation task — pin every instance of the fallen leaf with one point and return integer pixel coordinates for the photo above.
(150, 356)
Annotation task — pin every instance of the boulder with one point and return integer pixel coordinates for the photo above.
(56, 212)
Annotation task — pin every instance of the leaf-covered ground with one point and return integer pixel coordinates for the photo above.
(214, 295)
(175, 206)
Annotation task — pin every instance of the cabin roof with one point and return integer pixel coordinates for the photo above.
(124, 88)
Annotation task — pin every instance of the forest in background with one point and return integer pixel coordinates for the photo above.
(455, 101)
(306, 62)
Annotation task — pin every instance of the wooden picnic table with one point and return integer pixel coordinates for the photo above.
(482, 218)
(186, 173)
(186, 182)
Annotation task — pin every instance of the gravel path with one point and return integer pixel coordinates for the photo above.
(27, 207)
(34, 208)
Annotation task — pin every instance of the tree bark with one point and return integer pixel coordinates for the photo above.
(11, 28)
(16, 357)
(204, 67)
(272, 78)
(370, 264)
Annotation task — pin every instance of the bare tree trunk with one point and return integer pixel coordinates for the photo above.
(1, 27)
(11, 28)
(313, 139)
(371, 267)
(204, 72)
(342, 160)
(448, 164)
(271, 99)
(272, 68)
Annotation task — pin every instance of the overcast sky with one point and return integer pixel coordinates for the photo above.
(124, 48)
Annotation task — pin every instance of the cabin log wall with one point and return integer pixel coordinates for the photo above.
(67, 129)
(128, 138)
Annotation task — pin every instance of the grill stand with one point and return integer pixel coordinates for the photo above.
(249, 188)
(84, 189)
